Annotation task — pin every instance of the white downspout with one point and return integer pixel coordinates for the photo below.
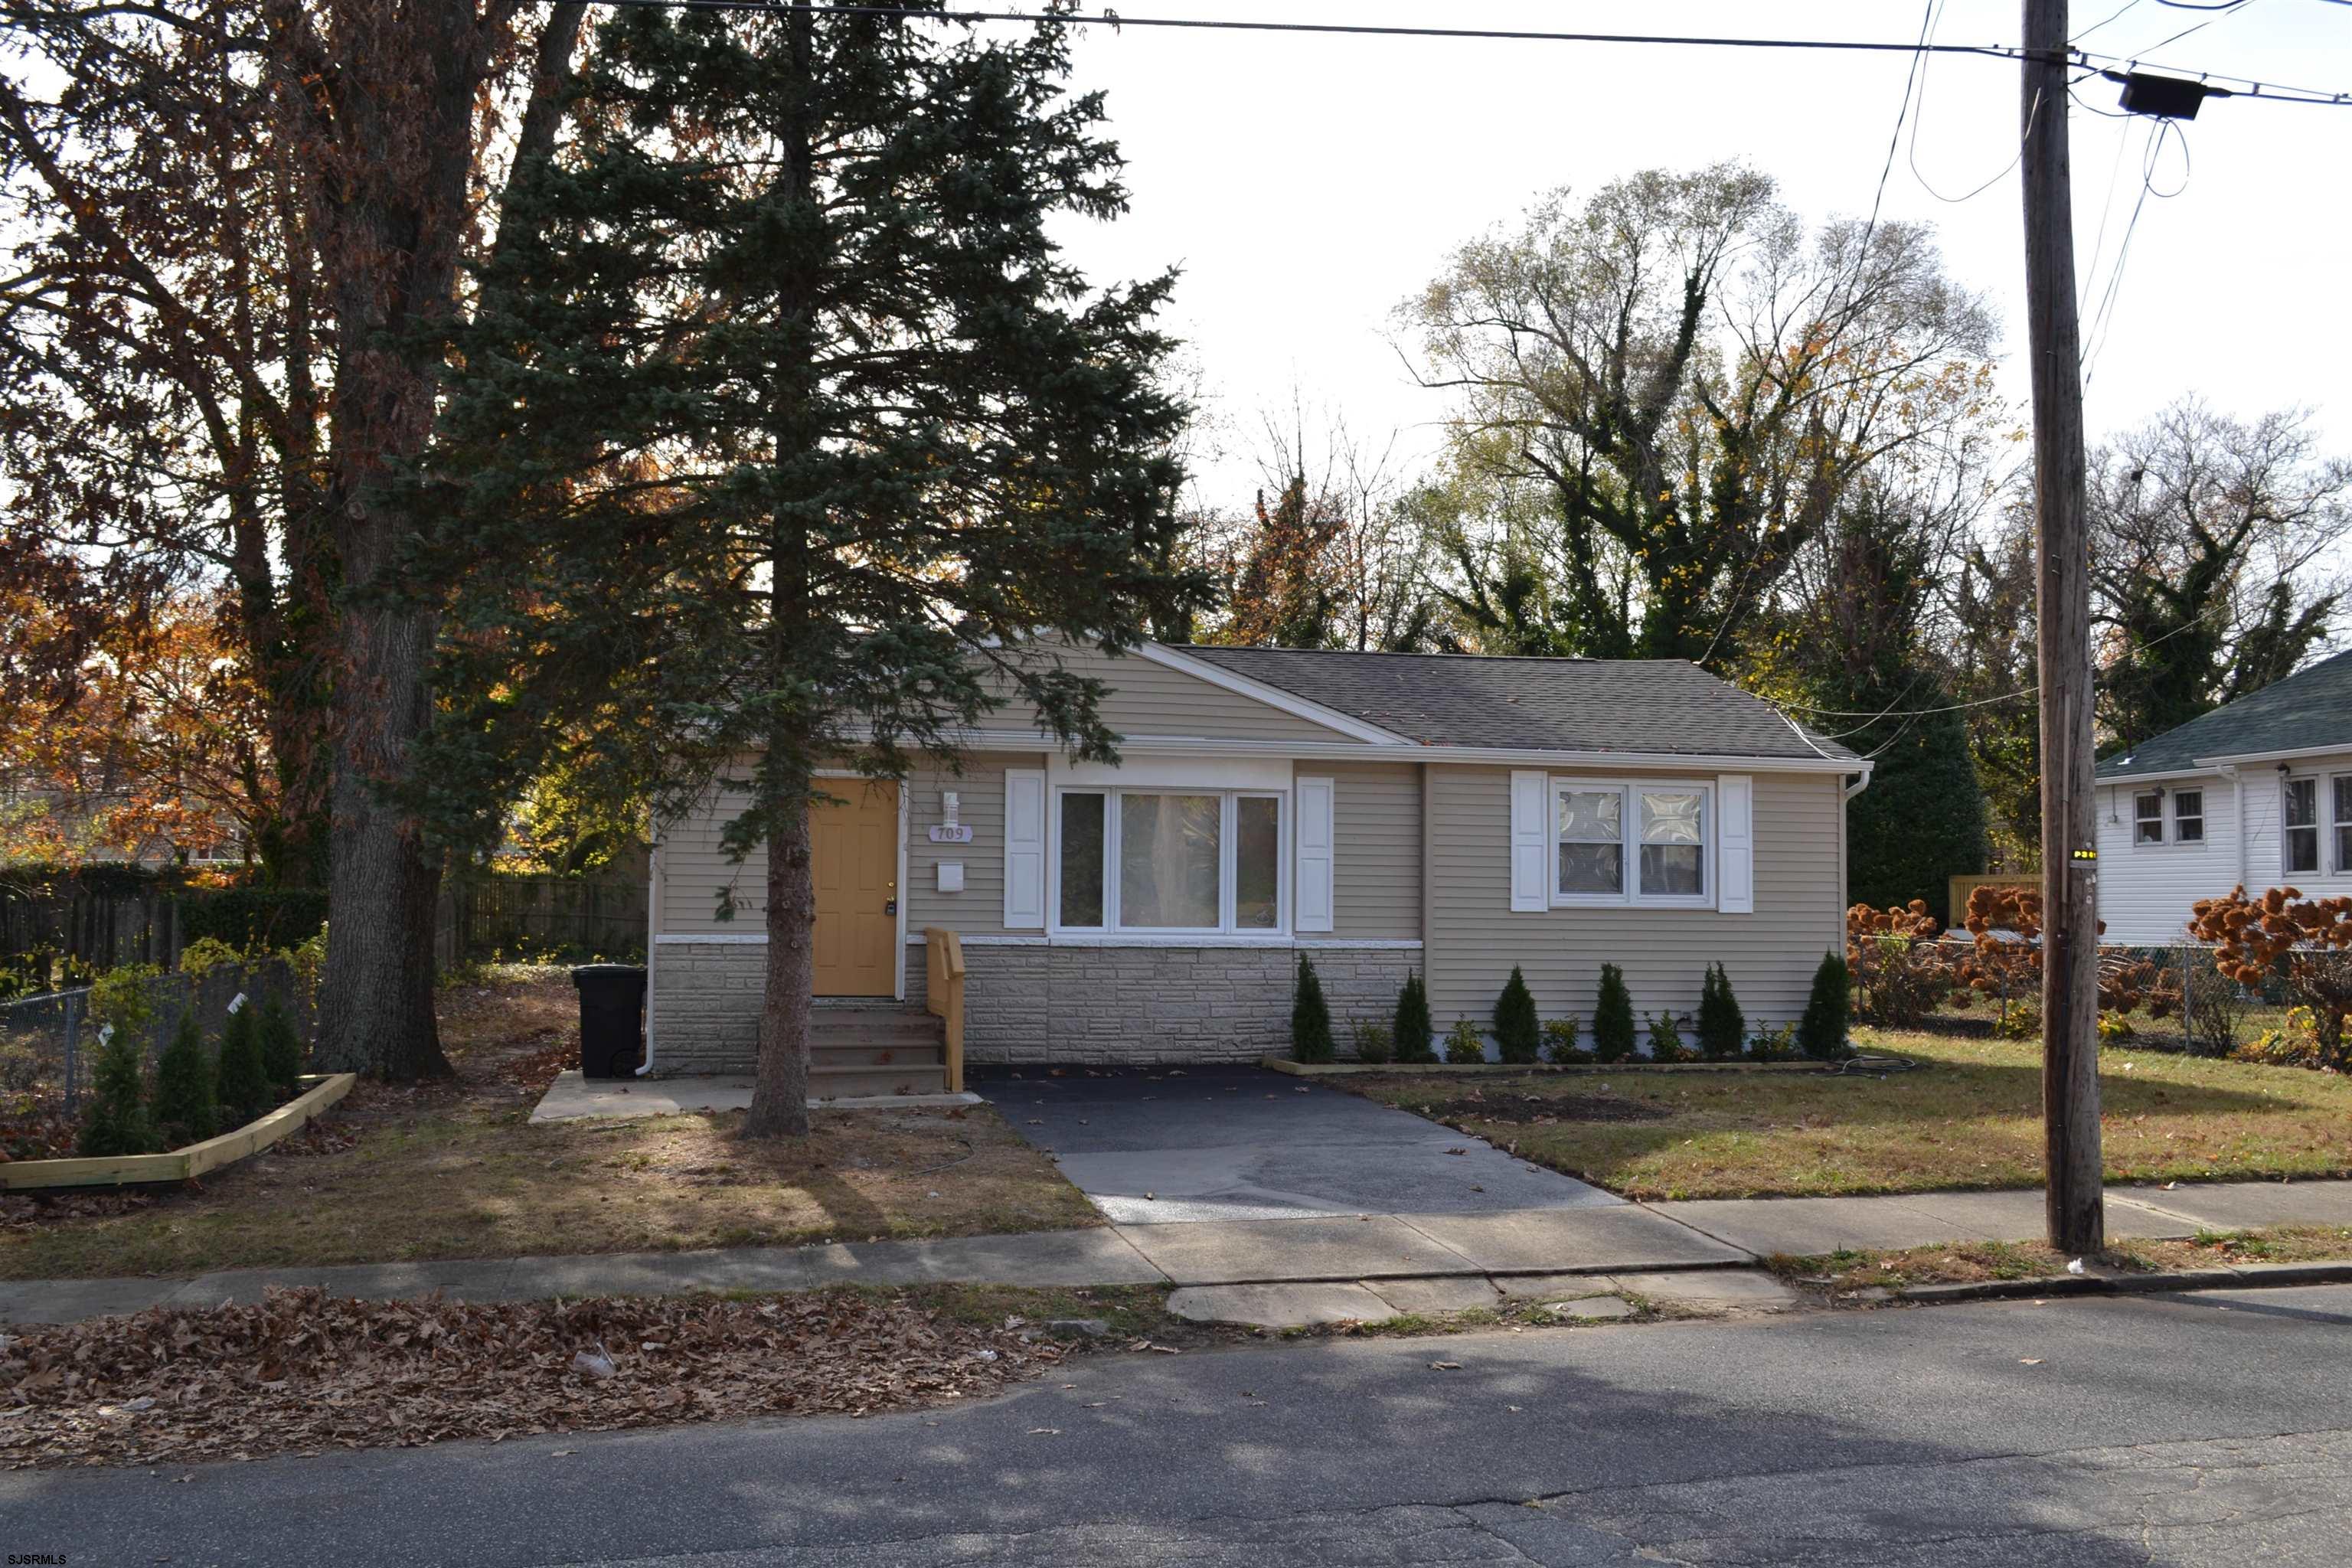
(2238, 799)
(653, 928)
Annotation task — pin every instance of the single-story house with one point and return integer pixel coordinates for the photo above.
(2256, 793)
(1380, 813)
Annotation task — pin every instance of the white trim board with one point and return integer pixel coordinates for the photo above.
(1030, 742)
(1130, 939)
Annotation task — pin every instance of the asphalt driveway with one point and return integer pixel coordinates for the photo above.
(1234, 1143)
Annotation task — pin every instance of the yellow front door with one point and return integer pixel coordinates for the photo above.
(856, 844)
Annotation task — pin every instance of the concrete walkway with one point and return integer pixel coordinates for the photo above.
(1392, 1257)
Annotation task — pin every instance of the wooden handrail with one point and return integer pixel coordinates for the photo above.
(944, 995)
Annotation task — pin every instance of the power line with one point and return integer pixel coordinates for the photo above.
(2276, 92)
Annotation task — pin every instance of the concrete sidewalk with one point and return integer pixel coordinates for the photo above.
(1495, 1251)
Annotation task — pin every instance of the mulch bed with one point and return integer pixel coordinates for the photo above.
(1539, 1110)
(304, 1371)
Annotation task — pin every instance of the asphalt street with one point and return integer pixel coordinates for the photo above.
(2213, 1429)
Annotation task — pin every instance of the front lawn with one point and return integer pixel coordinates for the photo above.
(1974, 1262)
(456, 1171)
(1970, 1117)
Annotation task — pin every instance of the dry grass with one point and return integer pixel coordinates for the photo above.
(1970, 1117)
(454, 1169)
(1973, 1262)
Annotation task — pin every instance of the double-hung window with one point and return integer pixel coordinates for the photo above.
(2342, 790)
(1633, 843)
(2148, 817)
(1168, 860)
(2188, 815)
(2299, 840)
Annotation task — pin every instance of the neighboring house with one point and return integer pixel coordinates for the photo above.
(2256, 793)
(1381, 812)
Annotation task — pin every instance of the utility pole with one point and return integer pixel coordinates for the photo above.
(2075, 1202)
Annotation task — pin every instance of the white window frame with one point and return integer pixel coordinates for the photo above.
(2140, 820)
(2180, 816)
(1228, 849)
(2314, 828)
(2342, 866)
(1629, 820)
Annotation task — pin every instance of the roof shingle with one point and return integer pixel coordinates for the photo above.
(2309, 710)
(1667, 707)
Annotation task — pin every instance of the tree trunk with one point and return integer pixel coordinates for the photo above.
(780, 1101)
(375, 1000)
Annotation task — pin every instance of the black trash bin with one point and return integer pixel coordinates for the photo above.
(612, 1017)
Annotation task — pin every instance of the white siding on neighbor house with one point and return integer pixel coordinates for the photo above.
(2146, 889)
(2265, 861)
(1474, 936)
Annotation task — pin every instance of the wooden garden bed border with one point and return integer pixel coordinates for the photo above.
(1348, 1069)
(181, 1164)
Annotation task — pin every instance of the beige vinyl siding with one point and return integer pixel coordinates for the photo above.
(1147, 699)
(1475, 937)
(1376, 877)
(690, 867)
(978, 910)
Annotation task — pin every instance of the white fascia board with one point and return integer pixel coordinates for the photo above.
(2211, 764)
(2126, 781)
(1274, 697)
(1353, 751)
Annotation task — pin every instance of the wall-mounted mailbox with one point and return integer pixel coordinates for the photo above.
(950, 876)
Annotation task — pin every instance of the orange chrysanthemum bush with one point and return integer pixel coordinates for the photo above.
(2308, 941)
(1901, 972)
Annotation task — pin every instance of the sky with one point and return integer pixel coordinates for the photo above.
(1306, 184)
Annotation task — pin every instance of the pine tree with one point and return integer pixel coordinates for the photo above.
(1821, 1033)
(1722, 1027)
(787, 432)
(241, 1084)
(281, 1049)
(1519, 1032)
(1416, 1032)
(1311, 1017)
(1613, 1017)
(185, 1107)
(117, 1122)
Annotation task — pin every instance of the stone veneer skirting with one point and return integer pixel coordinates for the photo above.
(1032, 1002)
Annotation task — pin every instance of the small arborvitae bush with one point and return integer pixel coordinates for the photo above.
(1722, 1027)
(1464, 1044)
(1560, 1047)
(1666, 1039)
(1517, 1031)
(1415, 1034)
(1311, 1017)
(281, 1049)
(117, 1121)
(184, 1088)
(1613, 1017)
(241, 1085)
(1821, 1033)
(1374, 1041)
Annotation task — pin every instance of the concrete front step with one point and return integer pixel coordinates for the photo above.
(861, 1028)
(912, 1053)
(853, 1082)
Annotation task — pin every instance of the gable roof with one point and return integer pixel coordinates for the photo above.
(1653, 706)
(2308, 710)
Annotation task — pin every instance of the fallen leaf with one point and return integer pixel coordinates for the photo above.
(2030, 1361)
(1445, 1366)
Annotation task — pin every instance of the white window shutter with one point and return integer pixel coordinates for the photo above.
(1735, 811)
(1025, 848)
(1317, 852)
(1530, 841)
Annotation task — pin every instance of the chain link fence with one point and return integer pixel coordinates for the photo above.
(49, 1045)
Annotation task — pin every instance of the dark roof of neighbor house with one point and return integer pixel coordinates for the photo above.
(2309, 709)
(1650, 705)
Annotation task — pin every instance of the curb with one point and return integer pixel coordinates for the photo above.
(2262, 1276)
(1463, 1070)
